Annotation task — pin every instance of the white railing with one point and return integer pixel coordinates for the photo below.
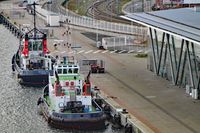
(147, 6)
(98, 24)
(138, 6)
(105, 26)
(125, 43)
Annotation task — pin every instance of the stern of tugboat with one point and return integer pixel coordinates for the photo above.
(34, 78)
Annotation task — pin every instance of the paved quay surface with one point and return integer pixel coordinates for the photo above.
(158, 104)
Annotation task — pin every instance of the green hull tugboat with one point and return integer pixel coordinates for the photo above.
(67, 101)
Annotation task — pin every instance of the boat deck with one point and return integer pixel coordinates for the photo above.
(52, 106)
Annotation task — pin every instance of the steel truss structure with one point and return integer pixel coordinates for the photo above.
(175, 45)
(180, 64)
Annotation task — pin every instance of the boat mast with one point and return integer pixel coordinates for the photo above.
(34, 17)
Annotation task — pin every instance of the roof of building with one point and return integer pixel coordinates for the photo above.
(183, 22)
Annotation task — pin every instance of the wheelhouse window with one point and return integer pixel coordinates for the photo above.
(21, 47)
(75, 70)
(64, 71)
(40, 45)
(30, 46)
(35, 45)
(70, 70)
(59, 71)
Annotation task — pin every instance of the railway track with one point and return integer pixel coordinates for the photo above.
(103, 10)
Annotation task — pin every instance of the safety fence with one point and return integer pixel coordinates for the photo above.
(88, 22)
(125, 44)
(106, 26)
(148, 6)
(138, 6)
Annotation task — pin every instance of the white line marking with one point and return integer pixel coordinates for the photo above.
(104, 52)
(88, 52)
(113, 51)
(97, 51)
(71, 52)
(131, 51)
(63, 52)
(140, 51)
(81, 51)
(122, 51)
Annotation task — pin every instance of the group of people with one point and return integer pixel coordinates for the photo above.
(67, 32)
(64, 44)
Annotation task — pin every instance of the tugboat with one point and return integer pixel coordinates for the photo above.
(67, 100)
(32, 61)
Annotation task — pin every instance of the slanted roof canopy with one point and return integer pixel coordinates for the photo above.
(182, 22)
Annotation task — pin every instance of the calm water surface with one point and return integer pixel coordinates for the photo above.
(18, 105)
(18, 112)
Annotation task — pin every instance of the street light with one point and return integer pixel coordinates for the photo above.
(142, 5)
(118, 6)
(97, 35)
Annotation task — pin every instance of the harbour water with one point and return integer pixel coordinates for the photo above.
(18, 112)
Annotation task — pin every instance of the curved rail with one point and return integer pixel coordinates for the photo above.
(102, 10)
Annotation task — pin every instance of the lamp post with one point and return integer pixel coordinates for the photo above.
(97, 35)
(94, 22)
(142, 5)
(117, 6)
